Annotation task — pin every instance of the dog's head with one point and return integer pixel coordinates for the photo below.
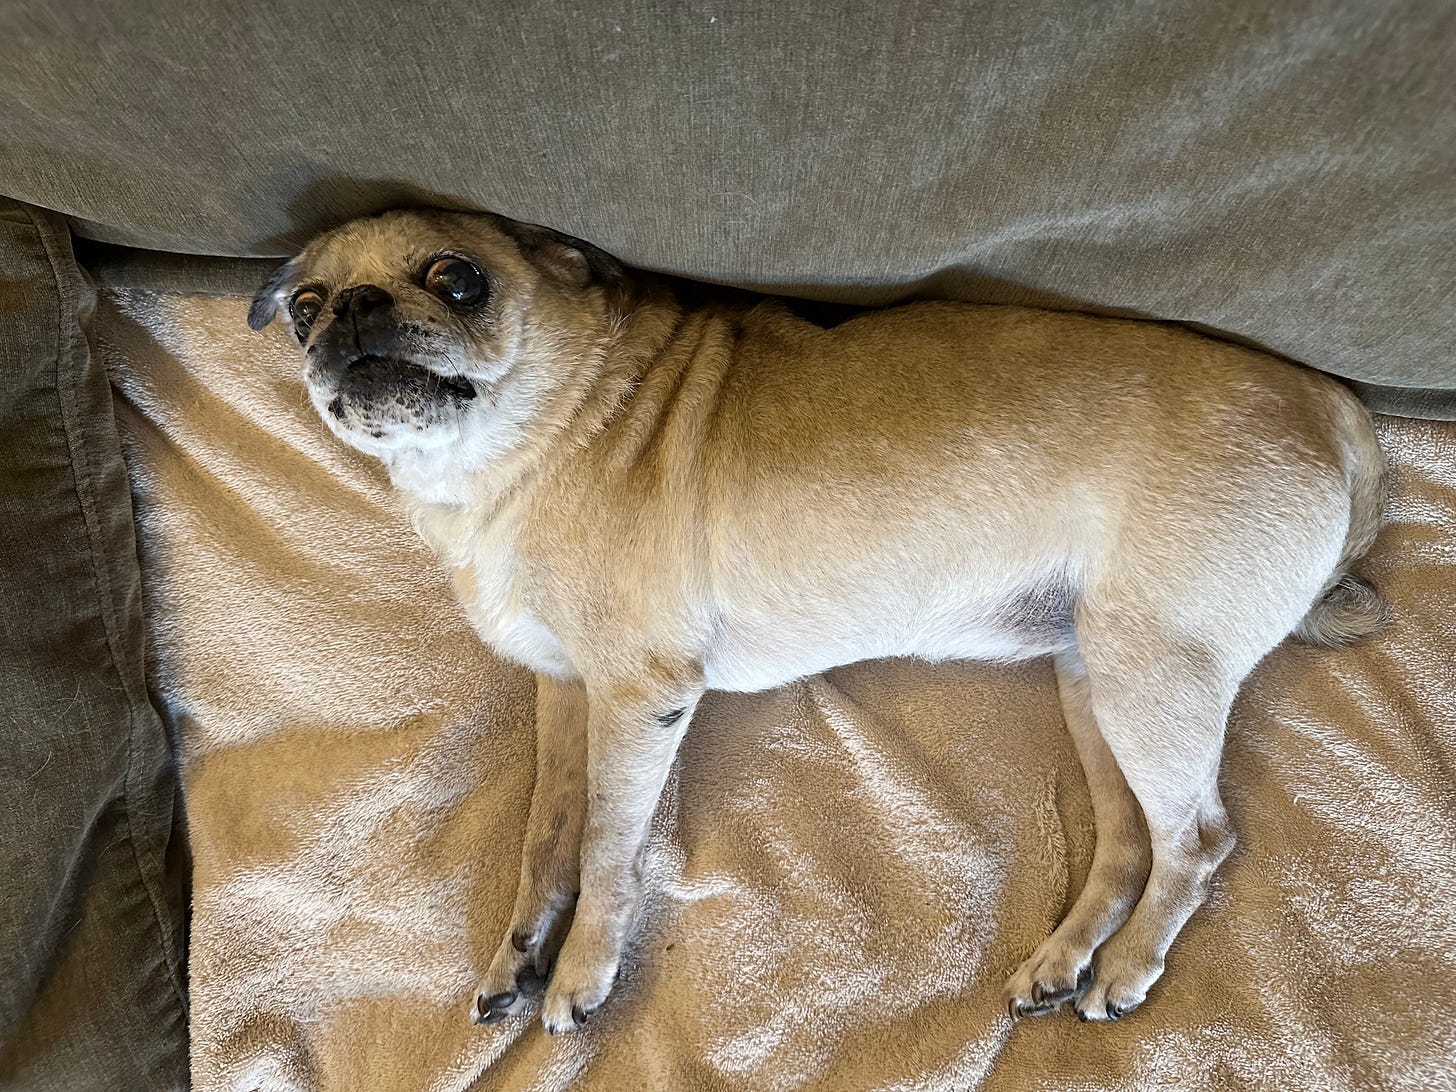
(427, 331)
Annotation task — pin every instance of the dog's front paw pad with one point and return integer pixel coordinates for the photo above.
(561, 1013)
(519, 966)
(571, 1000)
(492, 1008)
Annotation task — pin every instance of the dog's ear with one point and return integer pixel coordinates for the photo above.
(569, 262)
(265, 304)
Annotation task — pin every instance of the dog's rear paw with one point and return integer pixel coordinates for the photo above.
(1053, 975)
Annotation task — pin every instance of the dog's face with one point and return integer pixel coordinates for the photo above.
(430, 331)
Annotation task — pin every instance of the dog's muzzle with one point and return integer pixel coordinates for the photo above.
(367, 379)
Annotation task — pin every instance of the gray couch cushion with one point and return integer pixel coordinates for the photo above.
(1281, 173)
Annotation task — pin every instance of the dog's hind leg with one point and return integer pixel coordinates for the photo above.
(1060, 968)
(1162, 703)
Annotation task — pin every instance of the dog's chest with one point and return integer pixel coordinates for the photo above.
(492, 602)
(485, 576)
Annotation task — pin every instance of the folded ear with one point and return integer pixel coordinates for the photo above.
(265, 304)
(567, 261)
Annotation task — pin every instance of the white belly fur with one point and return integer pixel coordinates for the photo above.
(753, 654)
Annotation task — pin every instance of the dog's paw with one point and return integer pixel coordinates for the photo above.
(1120, 982)
(521, 962)
(500, 992)
(582, 979)
(492, 1006)
(1054, 974)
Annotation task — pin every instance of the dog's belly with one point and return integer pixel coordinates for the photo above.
(753, 652)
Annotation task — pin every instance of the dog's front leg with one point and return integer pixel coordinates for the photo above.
(550, 857)
(633, 732)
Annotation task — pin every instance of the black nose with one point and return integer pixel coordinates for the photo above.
(361, 299)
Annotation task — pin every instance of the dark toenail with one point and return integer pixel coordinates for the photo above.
(520, 940)
(578, 1015)
(1036, 992)
(499, 1001)
(1082, 1016)
(494, 1016)
(1114, 1011)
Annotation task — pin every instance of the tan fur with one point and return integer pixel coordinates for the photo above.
(648, 499)
(1349, 608)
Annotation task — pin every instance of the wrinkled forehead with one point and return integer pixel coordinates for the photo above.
(395, 245)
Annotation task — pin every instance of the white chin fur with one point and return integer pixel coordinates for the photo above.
(435, 463)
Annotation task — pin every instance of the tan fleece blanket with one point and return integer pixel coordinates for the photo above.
(842, 872)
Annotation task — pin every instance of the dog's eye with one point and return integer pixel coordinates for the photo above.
(456, 281)
(304, 308)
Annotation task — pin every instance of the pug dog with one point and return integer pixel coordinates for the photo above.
(643, 493)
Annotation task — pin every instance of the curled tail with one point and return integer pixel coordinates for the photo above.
(1350, 608)
(1348, 611)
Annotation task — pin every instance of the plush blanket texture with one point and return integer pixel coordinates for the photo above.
(842, 872)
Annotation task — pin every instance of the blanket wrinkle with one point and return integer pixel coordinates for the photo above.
(885, 769)
(841, 872)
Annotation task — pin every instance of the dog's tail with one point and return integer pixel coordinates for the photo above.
(1350, 608)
